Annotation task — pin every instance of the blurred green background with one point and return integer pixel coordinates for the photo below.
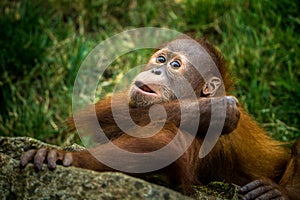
(42, 44)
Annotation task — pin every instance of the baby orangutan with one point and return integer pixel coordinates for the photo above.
(244, 154)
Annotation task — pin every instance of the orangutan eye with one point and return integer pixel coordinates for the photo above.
(160, 59)
(175, 64)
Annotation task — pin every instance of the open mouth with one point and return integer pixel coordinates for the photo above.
(144, 87)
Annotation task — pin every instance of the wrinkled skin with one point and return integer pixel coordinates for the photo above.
(263, 189)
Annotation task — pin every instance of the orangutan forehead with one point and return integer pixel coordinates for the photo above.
(185, 46)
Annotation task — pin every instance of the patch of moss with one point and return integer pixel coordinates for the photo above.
(219, 190)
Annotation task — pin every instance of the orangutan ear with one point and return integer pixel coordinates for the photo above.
(211, 86)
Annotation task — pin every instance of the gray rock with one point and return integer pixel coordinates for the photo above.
(70, 182)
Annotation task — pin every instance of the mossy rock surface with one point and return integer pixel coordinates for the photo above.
(75, 183)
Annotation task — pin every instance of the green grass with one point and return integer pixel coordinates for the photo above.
(42, 44)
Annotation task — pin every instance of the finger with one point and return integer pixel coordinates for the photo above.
(39, 158)
(26, 157)
(51, 159)
(232, 100)
(257, 192)
(270, 195)
(251, 186)
(68, 159)
(232, 115)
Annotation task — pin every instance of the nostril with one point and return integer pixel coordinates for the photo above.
(156, 71)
